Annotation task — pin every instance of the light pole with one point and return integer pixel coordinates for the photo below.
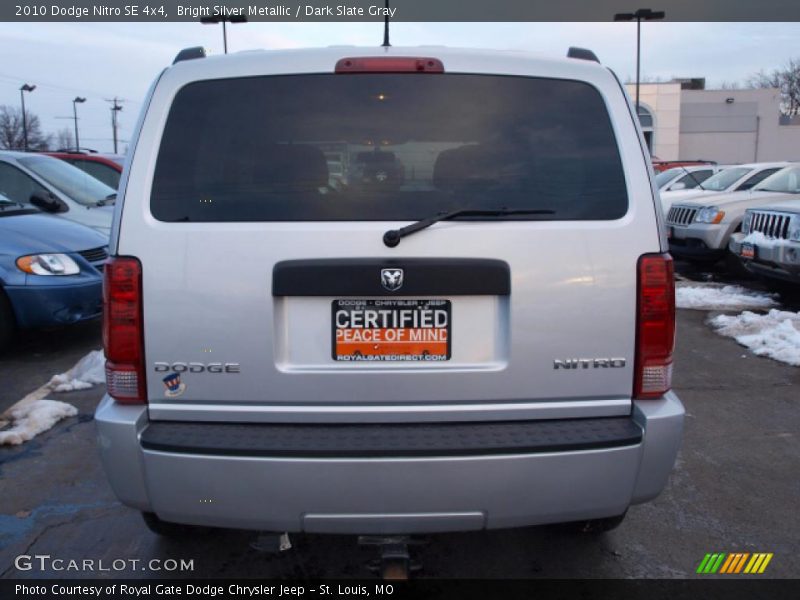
(22, 90)
(221, 19)
(643, 14)
(75, 102)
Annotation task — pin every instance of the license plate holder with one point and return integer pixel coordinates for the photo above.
(391, 330)
(748, 251)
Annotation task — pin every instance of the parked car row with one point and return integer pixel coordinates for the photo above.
(736, 178)
(740, 213)
(683, 178)
(54, 224)
(701, 225)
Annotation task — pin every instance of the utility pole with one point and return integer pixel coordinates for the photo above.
(115, 108)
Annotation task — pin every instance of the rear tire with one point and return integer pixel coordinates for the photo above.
(172, 530)
(8, 324)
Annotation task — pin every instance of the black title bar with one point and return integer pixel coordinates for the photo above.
(156, 11)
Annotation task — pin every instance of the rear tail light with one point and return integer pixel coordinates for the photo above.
(655, 326)
(389, 64)
(122, 330)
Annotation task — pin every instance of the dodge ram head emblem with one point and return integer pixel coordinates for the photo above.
(392, 279)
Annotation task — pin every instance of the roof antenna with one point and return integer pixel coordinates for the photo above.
(386, 43)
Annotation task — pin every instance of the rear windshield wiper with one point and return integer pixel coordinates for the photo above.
(392, 237)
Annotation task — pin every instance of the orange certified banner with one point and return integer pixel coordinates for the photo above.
(391, 330)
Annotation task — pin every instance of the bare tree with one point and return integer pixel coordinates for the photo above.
(730, 85)
(762, 79)
(787, 80)
(11, 130)
(64, 139)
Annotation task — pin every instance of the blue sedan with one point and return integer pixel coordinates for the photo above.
(50, 270)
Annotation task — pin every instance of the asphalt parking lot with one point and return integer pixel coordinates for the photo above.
(734, 489)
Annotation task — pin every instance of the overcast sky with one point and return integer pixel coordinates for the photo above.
(103, 60)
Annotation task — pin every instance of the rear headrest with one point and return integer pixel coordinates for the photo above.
(292, 165)
(468, 166)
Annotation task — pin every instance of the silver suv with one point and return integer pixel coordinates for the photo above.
(483, 342)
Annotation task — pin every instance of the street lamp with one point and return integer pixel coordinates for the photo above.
(643, 14)
(75, 102)
(22, 90)
(222, 19)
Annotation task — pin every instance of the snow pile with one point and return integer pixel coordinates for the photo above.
(86, 373)
(34, 414)
(775, 335)
(32, 418)
(759, 239)
(729, 297)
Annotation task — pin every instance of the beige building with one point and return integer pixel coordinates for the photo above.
(727, 126)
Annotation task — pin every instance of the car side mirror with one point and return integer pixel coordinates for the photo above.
(47, 202)
(677, 186)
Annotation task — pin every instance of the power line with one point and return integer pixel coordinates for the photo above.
(70, 90)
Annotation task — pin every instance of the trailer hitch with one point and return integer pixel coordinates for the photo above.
(394, 561)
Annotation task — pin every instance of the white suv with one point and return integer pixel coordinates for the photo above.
(485, 341)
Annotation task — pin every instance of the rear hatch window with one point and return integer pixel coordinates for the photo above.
(386, 147)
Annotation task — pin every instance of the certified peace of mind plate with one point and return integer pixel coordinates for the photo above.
(391, 330)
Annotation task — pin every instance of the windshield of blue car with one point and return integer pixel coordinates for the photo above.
(785, 181)
(725, 179)
(69, 180)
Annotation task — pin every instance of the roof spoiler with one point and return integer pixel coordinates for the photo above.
(582, 54)
(190, 54)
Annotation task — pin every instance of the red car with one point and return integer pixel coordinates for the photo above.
(105, 167)
(663, 165)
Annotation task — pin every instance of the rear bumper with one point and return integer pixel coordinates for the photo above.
(434, 490)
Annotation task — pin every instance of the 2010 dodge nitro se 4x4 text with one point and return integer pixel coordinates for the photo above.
(480, 337)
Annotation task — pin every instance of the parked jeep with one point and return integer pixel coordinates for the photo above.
(441, 355)
(769, 243)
